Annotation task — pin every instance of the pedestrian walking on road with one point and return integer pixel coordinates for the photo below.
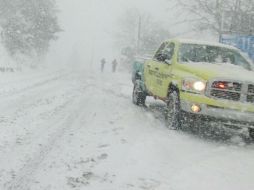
(114, 65)
(103, 62)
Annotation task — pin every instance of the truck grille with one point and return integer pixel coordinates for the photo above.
(250, 95)
(250, 98)
(235, 96)
(233, 91)
(227, 86)
(251, 88)
(226, 90)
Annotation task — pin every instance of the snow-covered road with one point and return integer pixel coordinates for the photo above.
(80, 130)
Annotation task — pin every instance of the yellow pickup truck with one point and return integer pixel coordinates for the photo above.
(199, 81)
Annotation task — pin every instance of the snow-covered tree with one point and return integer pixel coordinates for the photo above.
(28, 26)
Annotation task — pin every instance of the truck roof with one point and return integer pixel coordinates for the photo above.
(199, 42)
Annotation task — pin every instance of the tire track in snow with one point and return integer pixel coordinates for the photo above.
(19, 112)
(21, 182)
(61, 125)
(33, 86)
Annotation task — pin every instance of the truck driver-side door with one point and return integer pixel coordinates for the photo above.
(151, 71)
(164, 70)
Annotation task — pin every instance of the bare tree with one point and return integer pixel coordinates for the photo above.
(222, 16)
(139, 33)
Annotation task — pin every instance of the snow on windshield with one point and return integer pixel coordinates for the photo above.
(212, 54)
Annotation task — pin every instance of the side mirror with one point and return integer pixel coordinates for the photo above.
(161, 57)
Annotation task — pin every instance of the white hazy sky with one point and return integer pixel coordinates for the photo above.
(89, 26)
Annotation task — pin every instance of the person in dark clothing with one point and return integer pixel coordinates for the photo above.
(103, 62)
(114, 65)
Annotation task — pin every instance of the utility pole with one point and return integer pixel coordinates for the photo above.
(220, 17)
(139, 35)
(94, 33)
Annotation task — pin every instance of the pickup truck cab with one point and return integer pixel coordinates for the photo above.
(199, 81)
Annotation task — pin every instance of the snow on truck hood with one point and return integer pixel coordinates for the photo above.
(221, 70)
(199, 42)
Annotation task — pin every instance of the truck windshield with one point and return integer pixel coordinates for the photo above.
(211, 54)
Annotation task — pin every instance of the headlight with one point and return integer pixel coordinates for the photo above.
(193, 85)
(199, 86)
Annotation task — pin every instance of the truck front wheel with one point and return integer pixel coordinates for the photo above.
(173, 113)
(138, 95)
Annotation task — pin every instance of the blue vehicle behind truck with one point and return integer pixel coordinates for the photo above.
(243, 42)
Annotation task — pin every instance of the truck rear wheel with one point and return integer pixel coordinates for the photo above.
(138, 95)
(173, 113)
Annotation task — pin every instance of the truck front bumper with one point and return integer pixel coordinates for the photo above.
(230, 114)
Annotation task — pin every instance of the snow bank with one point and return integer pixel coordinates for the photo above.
(6, 63)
